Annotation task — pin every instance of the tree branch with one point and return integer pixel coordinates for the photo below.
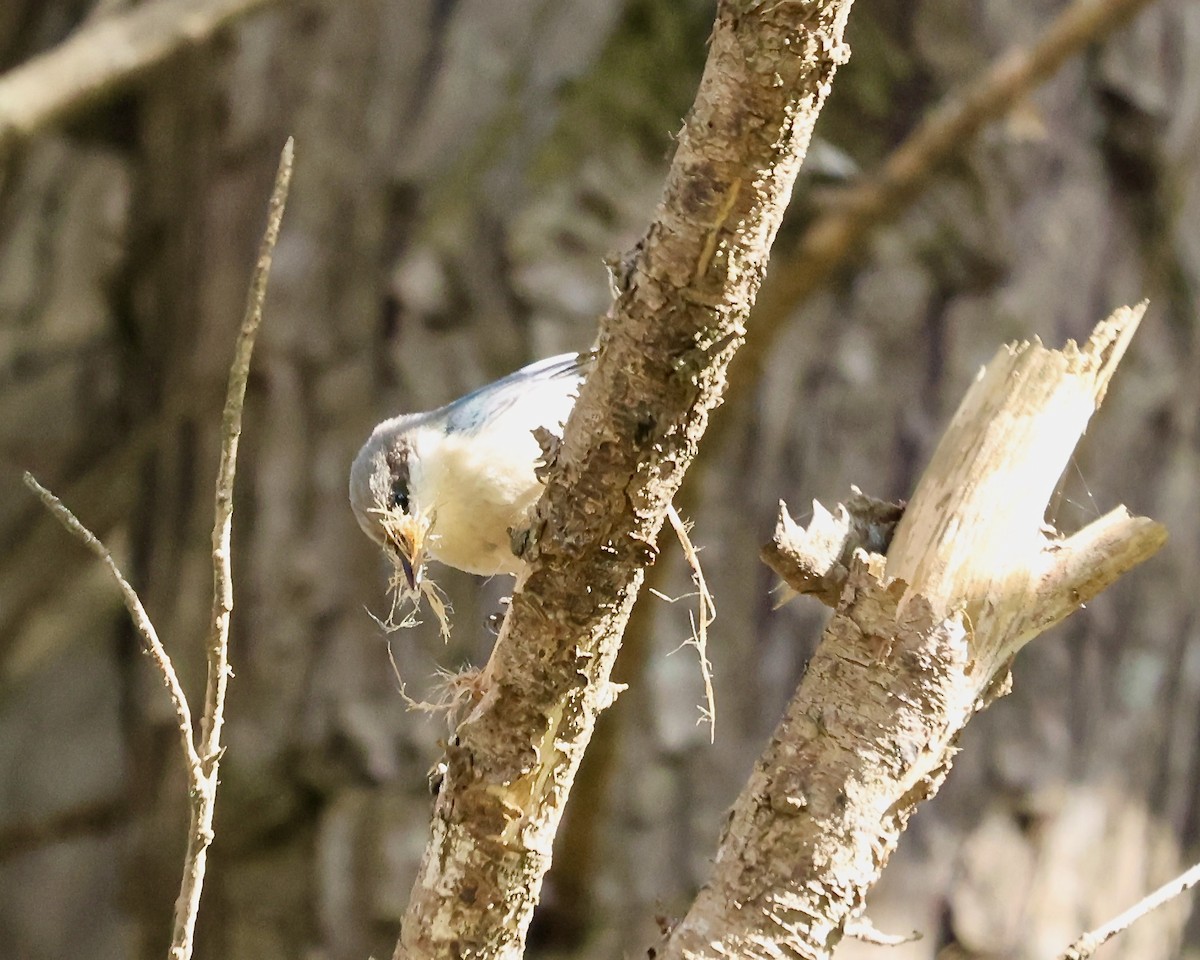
(1091, 941)
(101, 57)
(919, 642)
(1081, 567)
(231, 432)
(837, 234)
(663, 352)
(816, 560)
(200, 827)
(141, 622)
(203, 761)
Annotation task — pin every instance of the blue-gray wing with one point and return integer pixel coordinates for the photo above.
(541, 393)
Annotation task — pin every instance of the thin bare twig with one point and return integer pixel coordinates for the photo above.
(101, 57)
(200, 833)
(1086, 945)
(861, 928)
(231, 431)
(141, 621)
(203, 761)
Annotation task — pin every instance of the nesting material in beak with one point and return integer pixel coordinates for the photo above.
(405, 537)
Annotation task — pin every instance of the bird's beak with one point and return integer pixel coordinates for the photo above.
(404, 537)
(411, 577)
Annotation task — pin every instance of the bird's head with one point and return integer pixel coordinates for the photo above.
(381, 495)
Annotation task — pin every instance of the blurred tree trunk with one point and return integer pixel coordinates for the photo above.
(462, 170)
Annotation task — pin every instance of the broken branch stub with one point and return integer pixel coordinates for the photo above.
(973, 540)
(918, 643)
(815, 560)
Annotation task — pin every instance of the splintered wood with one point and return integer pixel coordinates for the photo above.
(974, 538)
(919, 641)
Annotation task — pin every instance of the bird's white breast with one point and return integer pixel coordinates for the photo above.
(475, 488)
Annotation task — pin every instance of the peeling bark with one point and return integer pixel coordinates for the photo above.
(663, 352)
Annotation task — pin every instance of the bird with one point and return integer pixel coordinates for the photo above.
(453, 484)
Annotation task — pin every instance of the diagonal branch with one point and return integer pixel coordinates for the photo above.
(663, 352)
(1091, 941)
(1084, 565)
(837, 234)
(141, 622)
(101, 57)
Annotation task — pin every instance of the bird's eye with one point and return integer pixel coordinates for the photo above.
(399, 500)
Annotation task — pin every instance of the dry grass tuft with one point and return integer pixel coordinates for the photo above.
(453, 693)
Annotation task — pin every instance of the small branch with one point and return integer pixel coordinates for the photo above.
(861, 928)
(32, 567)
(1085, 565)
(200, 832)
(231, 431)
(101, 57)
(141, 621)
(707, 613)
(1086, 945)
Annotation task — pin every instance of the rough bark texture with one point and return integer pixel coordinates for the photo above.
(866, 738)
(684, 297)
(918, 644)
(463, 169)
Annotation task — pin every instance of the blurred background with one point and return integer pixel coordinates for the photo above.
(463, 167)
